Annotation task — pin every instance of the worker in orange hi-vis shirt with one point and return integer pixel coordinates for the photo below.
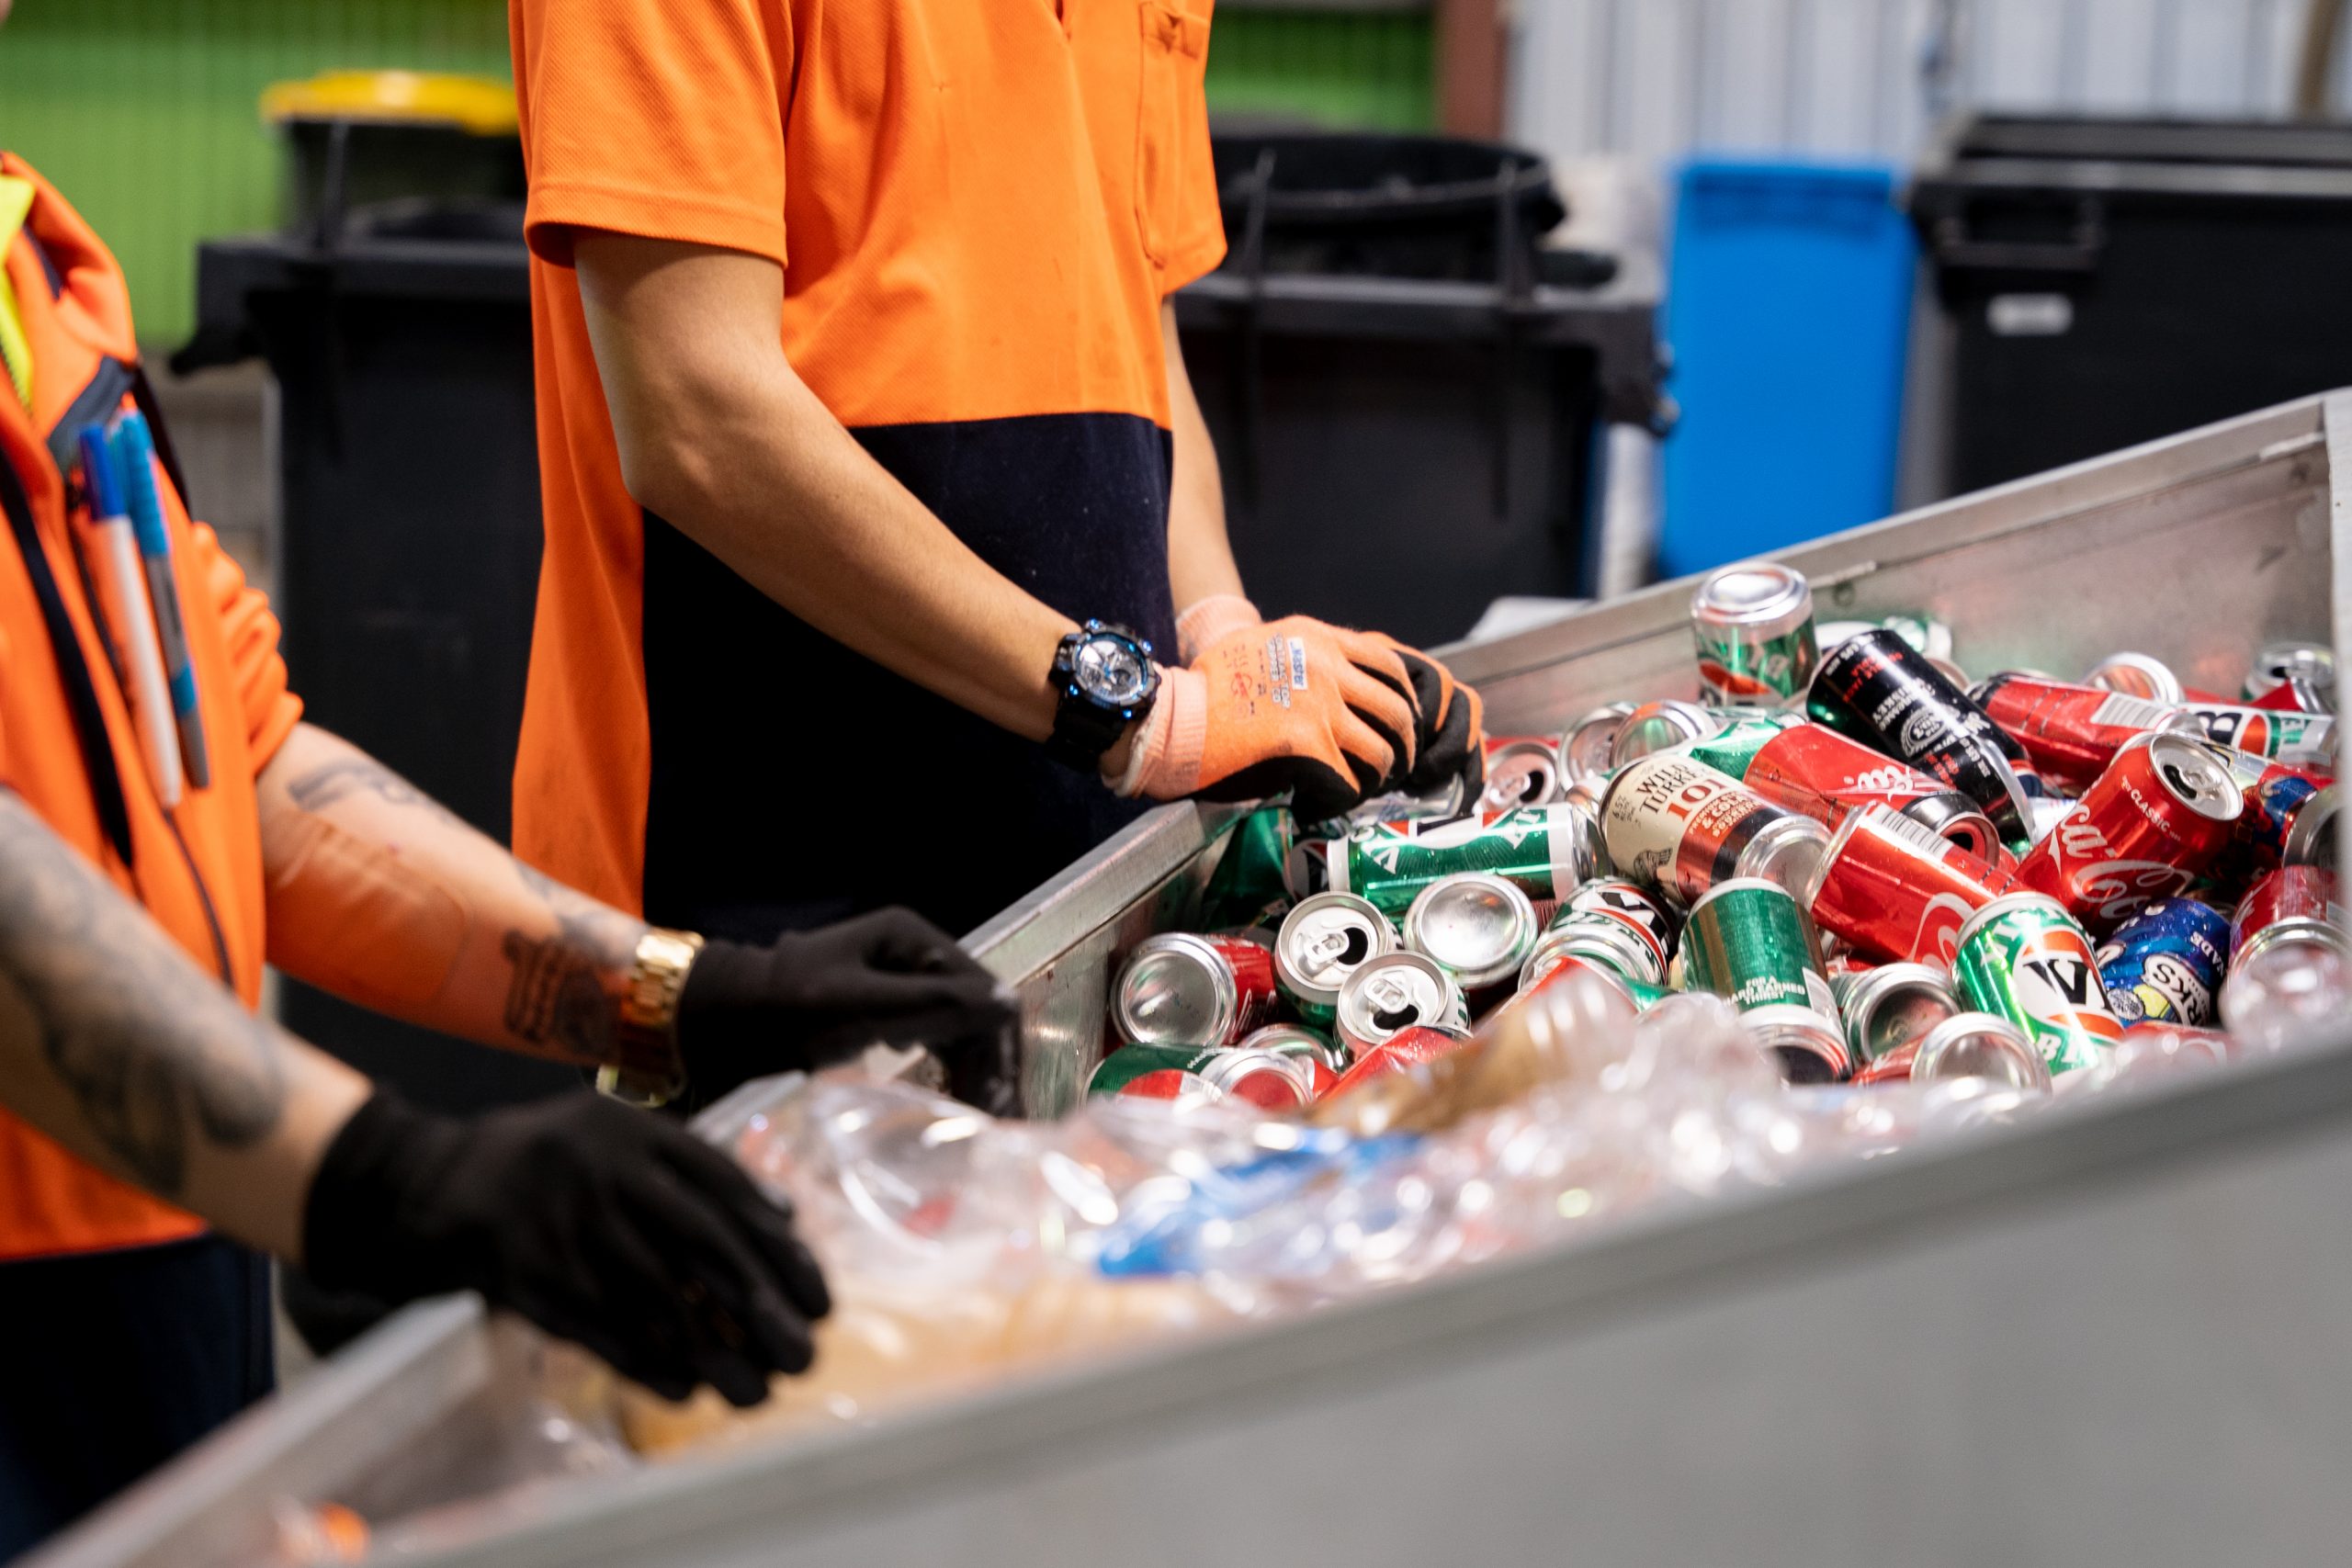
(167, 824)
(873, 485)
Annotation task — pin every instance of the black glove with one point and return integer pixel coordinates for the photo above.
(603, 1224)
(811, 998)
(1453, 738)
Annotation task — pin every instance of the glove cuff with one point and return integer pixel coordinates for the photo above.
(354, 1233)
(1207, 622)
(1165, 761)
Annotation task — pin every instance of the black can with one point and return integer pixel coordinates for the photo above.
(1880, 690)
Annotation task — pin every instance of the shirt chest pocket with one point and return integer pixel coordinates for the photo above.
(1174, 187)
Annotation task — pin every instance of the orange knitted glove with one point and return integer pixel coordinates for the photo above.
(1293, 705)
(1205, 622)
(1452, 740)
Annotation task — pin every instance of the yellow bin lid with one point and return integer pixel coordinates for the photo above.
(476, 104)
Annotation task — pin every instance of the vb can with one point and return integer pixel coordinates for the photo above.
(1393, 993)
(2160, 814)
(1593, 939)
(2165, 964)
(1753, 625)
(1678, 827)
(1890, 1008)
(2293, 904)
(1474, 926)
(2298, 737)
(1883, 692)
(1894, 890)
(1181, 989)
(2023, 958)
(1324, 939)
(1518, 773)
(2071, 733)
(1748, 942)
(1546, 851)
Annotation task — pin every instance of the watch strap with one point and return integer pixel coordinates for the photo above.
(647, 1069)
(1084, 731)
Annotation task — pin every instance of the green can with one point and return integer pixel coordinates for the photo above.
(1548, 852)
(1753, 625)
(1128, 1063)
(2023, 958)
(1246, 887)
(1734, 750)
(1748, 942)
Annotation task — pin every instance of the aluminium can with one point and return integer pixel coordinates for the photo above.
(1678, 827)
(1120, 1070)
(1324, 939)
(1664, 726)
(1476, 926)
(2023, 957)
(1546, 851)
(2293, 904)
(2301, 739)
(2158, 818)
(1951, 816)
(1520, 772)
(1752, 623)
(1748, 942)
(1883, 692)
(1734, 746)
(1893, 1006)
(1184, 989)
(2165, 964)
(1322, 1061)
(1627, 904)
(1980, 1046)
(1588, 748)
(1407, 1048)
(1897, 891)
(2278, 664)
(1816, 771)
(2136, 676)
(2071, 733)
(1595, 939)
(1393, 993)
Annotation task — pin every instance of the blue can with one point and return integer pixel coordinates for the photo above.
(2165, 964)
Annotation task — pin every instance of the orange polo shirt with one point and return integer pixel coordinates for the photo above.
(196, 868)
(979, 207)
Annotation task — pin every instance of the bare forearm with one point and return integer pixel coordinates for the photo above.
(114, 1043)
(1200, 556)
(721, 437)
(379, 895)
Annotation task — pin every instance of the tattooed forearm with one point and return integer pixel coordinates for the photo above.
(353, 774)
(565, 993)
(154, 1053)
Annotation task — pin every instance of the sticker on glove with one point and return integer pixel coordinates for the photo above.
(1285, 668)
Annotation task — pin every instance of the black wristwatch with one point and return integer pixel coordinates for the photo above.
(1105, 680)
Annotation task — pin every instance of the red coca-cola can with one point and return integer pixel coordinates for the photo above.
(2070, 732)
(1812, 769)
(1895, 890)
(1406, 1048)
(2291, 904)
(2161, 813)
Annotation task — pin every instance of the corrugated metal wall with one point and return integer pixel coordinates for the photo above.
(1657, 78)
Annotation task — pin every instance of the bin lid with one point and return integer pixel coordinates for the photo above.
(475, 104)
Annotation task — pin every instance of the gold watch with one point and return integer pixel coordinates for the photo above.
(646, 1070)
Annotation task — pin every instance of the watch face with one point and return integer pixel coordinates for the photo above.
(1110, 671)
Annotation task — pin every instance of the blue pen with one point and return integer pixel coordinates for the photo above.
(134, 456)
(117, 571)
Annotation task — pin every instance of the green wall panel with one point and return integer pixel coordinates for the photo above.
(143, 111)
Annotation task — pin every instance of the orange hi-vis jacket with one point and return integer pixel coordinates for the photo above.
(67, 745)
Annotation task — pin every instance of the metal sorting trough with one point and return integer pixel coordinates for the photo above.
(2122, 1332)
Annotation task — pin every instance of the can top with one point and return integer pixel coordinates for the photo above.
(1268, 1079)
(2193, 776)
(1892, 1006)
(1980, 1046)
(1176, 990)
(1654, 727)
(1587, 747)
(2292, 659)
(1789, 854)
(1756, 593)
(1521, 773)
(1325, 939)
(2311, 840)
(1476, 926)
(2136, 676)
(1395, 992)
